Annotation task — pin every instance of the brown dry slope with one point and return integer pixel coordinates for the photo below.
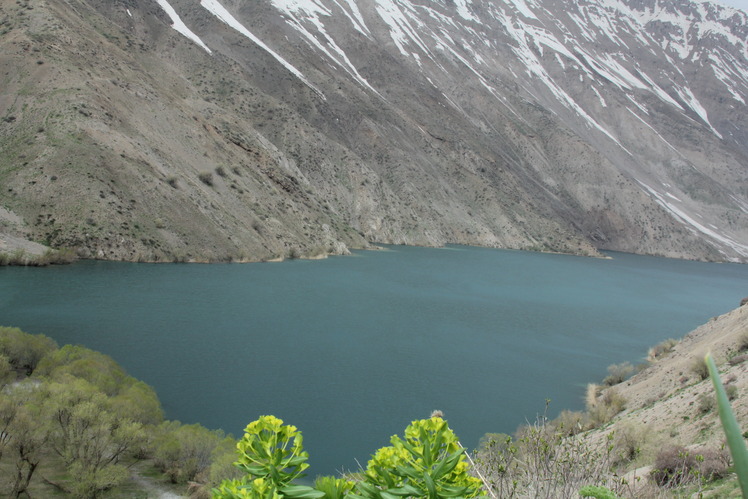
(665, 403)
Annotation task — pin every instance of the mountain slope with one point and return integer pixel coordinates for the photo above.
(207, 130)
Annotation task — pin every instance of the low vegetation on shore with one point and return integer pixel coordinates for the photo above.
(73, 423)
(25, 258)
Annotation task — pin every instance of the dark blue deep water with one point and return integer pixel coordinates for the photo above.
(351, 349)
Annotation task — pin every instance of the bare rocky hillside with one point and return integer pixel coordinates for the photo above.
(207, 130)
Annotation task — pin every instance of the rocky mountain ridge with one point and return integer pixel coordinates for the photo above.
(218, 129)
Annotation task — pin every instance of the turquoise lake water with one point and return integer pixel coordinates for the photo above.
(351, 349)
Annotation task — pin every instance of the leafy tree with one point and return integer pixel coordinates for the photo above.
(98, 369)
(184, 452)
(90, 438)
(23, 433)
(7, 373)
(140, 402)
(24, 351)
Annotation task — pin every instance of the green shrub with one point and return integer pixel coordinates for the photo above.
(183, 452)
(571, 422)
(206, 178)
(660, 350)
(698, 367)
(24, 351)
(743, 343)
(707, 403)
(7, 373)
(628, 442)
(597, 492)
(738, 359)
(606, 407)
(674, 466)
(81, 362)
(731, 391)
(618, 373)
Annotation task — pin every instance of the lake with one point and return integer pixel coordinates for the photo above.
(351, 349)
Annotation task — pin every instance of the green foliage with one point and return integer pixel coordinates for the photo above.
(206, 178)
(89, 437)
(184, 452)
(429, 462)
(597, 492)
(272, 456)
(140, 402)
(23, 434)
(82, 407)
(98, 369)
(7, 373)
(333, 488)
(730, 425)
(24, 351)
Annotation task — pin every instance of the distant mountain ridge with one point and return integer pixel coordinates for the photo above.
(218, 129)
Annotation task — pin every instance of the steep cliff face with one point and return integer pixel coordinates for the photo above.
(207, 130)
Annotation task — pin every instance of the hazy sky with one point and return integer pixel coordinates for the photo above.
(741, 4)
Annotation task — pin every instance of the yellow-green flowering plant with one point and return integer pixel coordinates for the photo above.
(258, 488)
(429, 462)
(273, 456)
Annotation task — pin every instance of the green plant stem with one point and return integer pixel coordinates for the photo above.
(730, 425)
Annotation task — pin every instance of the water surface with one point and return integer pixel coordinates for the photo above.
(351, 349)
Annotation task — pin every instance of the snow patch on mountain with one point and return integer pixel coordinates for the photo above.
(692, 102)
(310, 12)
(178, 25)
(680, 214)
(464, 11)
(401, 30)
(218, 10)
